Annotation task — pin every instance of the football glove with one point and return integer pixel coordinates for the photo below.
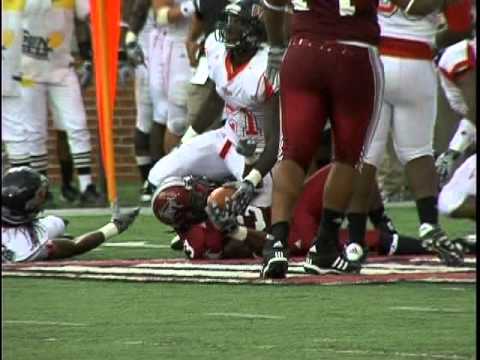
(123, 221)
(244, 194)
(274, 60)
(225, 220)
(444, 165)
(246, 147)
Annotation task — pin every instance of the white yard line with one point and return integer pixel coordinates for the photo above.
(47, 323)
(134, 244)
(245, 316)
(424, 309)
(397, 354)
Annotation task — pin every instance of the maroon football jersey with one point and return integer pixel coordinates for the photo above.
(347, 20)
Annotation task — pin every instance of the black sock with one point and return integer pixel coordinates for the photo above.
(66, 168)
(376, 216)
(280, 232)
(357, 225)
(427, 210)
(327, 235)
(144, 171)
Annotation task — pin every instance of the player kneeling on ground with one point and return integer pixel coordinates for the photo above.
(28, 237)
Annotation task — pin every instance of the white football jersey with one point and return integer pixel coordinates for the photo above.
(456, 59)
(47, 38)
(144, 34)
(23, 243)
(396, 24)
(12, 37)
(244, 91)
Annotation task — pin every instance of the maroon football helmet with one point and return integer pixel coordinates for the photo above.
(180, 202)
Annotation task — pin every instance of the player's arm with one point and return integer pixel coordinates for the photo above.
(458, 23)
(211, 107)
(167, 12)
(194, 33)
(61, 248)
(138, 15)
(467, 84)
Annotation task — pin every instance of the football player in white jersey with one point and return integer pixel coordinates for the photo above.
(457, 75)
(408, 29)
(14, 133)
(248, 142)
(28, 237)
(141, 22)
(169, 72)
(48, 80)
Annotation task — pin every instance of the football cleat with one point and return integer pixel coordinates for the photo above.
(91, 197)
(275, 260)
(176, 243)
(69, 194)
(434, 239)
(123, 221)
(331, 263)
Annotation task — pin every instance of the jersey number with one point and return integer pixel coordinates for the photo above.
(345, 7)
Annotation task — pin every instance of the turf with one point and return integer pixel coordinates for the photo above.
(103, 320)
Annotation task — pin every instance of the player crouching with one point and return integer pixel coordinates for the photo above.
(28, 237)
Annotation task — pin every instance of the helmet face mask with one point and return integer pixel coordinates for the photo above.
(241, 28)
(24, 193)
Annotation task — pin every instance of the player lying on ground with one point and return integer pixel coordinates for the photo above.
(181, 202)
(28, 237)
(457, 74)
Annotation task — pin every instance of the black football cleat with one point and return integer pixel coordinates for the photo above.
(275, 260)
(329, 263)
(433, 238)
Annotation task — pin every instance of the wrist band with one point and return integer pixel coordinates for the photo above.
(162, 15)
(187, 8)
(109, 230)
(240, 234)
(278, 8)
(130, 37)
(409, 6)
(254, 176)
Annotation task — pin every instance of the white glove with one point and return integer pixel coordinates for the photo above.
(444, 165)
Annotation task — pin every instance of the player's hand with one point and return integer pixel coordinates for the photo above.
(85, 74)
(133, 50)
(244, 194)
(225, 220)
(123, 221)
(274, 61)
(444, 165)
(246, 147)
(192, 51)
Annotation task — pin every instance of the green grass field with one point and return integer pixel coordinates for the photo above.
(73, 319)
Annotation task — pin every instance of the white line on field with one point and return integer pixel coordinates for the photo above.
(245, 316)
(33, 322)
(398, 354)
(135, 244)
(453, 289)
(424, 309)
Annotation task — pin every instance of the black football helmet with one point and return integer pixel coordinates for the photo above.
(180, 202)
(241, 27)
(24, 192)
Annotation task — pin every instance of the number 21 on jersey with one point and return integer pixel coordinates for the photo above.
(345, 7)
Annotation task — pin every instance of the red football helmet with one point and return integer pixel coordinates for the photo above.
(180, 202)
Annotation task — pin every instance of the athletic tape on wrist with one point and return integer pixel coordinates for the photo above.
(109, 230)
(464, 136)
(254, 176)
(130, 37)
(240, 233)
(162, 15)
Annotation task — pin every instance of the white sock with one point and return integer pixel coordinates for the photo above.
(84, 181)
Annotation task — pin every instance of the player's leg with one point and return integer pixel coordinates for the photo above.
(66, 104)
(199, 157)
(356, 97)
(413, 128)
(14, 135)
(179, 73)
(143, 128)
(68, 192)
(303, 118)
(458, 197)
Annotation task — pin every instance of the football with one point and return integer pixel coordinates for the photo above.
(220, 195)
